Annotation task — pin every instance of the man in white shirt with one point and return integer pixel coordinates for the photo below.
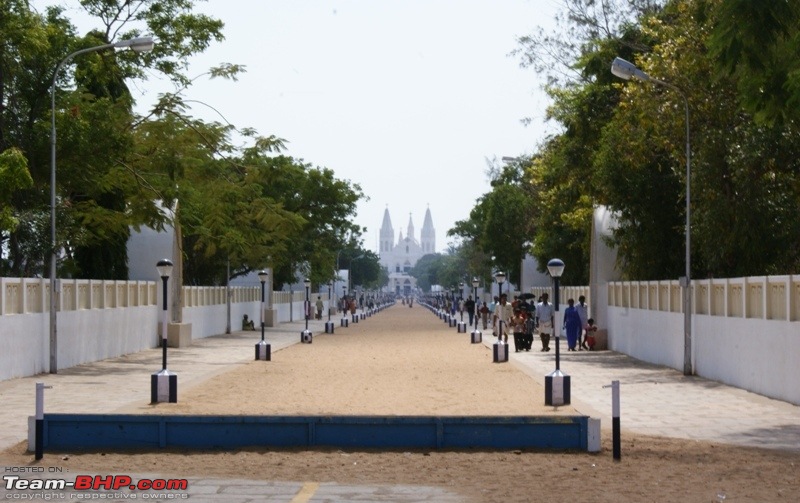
(545, 313)
(502, 314)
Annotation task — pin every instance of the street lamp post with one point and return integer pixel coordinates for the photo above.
(163, 384)
(501, 278)
(462, 326)
(329, 323)
(453, 306)
(475, 283)
(557, 383)
(307, 307)
(556, 268)
(305, 335)
(627, 70)
(461, 296)
(140, 44)
(476, 336)
(263, 350)
(499, 348)
(344, 321)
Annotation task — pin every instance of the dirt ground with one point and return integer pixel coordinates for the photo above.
(407, 362)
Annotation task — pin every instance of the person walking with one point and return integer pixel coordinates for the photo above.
(583, 312)
(517, 323)
(530, 327)
(544, 319)
(502, 316)
(484, 310)
(320, 306)
(469, 305)
(572, 325)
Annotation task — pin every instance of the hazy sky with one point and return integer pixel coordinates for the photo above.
(408, 98)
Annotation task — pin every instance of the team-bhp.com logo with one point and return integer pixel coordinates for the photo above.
(94, 487)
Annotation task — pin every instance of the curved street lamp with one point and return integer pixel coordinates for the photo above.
(627, 70)
(139, 44)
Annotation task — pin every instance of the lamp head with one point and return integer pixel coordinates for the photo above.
(500, 276)
(627, 70)
(164, 268)
(475, 282)
(263, 276)
(555, 267)
(138, 44)
(307, 282)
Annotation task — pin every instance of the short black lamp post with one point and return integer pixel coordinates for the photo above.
(263, 350)
(476, 337)
(305, 335)
(453, 306)
(163, 384)
(461, 296)
(499, 348)
(345, 307)
(329, 323)
(557, 383)
(462, 326)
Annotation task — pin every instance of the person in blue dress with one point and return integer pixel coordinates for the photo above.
(572, 324)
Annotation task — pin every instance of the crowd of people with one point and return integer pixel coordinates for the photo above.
(524, 317)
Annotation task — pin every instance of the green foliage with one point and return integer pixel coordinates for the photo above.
(758, 44)
(743, 174)
(116, 171)
(460, 264)
(14, 175)
(500, 224)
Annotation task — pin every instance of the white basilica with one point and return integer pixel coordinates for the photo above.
(399, 257)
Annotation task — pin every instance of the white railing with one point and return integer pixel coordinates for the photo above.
(761, 297)
(32, 295)
(105, 319)
(745, 331)
(564, 293)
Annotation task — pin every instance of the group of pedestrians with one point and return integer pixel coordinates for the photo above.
(524, 319)
(579, 327)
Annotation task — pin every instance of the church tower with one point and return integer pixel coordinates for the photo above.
(428, 234)
(399, 257)
(410, 227)
(387, 233)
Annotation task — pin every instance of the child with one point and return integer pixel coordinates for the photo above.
(518, 324)
(590, 330)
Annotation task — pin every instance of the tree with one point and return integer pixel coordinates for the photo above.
(14, 175)
(93, 121)
(501, 222)
(758, 45)
(325, 206)
(744, 174)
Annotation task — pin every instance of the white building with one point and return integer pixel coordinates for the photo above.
(398, 257)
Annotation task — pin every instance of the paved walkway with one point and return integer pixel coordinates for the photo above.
(655, 400)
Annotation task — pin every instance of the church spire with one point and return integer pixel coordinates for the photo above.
(410, 227)
(387, 232)
(428, 234)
